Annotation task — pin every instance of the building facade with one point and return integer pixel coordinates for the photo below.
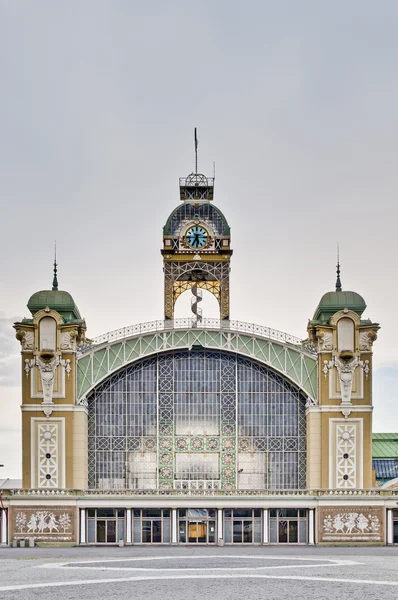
(197, 431)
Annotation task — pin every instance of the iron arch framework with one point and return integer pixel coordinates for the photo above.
(198, 419)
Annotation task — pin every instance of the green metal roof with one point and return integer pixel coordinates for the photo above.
(332, 302)
(58, 300)
(385, 445)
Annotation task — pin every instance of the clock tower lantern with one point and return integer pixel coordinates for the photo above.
(196, 248)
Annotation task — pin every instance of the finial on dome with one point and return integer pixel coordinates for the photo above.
(196, 152)
(338, 280)
(55, 280)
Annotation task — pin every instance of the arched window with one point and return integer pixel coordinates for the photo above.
(203, 419)
(48, 333)
(345, 335)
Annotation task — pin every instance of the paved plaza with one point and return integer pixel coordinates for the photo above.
(190, 572)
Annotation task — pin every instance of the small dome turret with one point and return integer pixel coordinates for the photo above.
(57, 300)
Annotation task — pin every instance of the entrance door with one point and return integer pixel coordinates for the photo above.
(106, 532)
(194, 530)
(395, 538)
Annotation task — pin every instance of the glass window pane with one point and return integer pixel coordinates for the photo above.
(120, 529)
(146, 532)
(151, 512)
(91, 512)
(282, 532)
(166, 531)
(91, 531)
(156, 532)
(137, 531)
(120, 512)
(238, 532)
(302, 532)
(101, 528)
(293, 532)
(228, 532)
(242, 512)
(257, 531)
(257, 512)
(247, 531)
(105, 512)
(273, 528)
(111, 532)
(137, 512)
(183, 532)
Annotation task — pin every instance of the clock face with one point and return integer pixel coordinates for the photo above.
(196, 236)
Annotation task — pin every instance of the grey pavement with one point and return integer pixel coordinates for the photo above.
(165, 573)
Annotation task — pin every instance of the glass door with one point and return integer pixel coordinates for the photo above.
(196, 526)
(106, 531)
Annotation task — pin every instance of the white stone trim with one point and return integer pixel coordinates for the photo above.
(337, 409)
(219, 524)
(128, 526)
(265, 526)
(334, 394)
(82, 526)
(4, 527)
(356, 481)
(59, 422)
(311, 529)
(173, 525)
(390, 527)
(33, 394)
(55, 408)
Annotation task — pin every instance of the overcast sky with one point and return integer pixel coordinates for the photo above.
(296, 102)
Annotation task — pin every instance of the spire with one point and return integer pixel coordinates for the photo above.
(196, 152)
(55, 280)
(338, 280)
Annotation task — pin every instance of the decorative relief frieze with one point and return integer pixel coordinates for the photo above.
(353, 524)
(43, 524)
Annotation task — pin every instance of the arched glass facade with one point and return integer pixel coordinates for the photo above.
(197, 420)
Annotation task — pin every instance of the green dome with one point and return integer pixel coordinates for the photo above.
(332, 302)
(57, 300)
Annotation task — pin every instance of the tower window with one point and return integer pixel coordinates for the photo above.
(48, 332)
(345, 334)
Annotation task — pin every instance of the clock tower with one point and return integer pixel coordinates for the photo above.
(196, 248)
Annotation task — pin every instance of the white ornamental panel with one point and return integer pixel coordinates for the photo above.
(345, 452)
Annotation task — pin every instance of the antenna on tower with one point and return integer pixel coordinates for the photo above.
(196, 153)
(214, 169)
